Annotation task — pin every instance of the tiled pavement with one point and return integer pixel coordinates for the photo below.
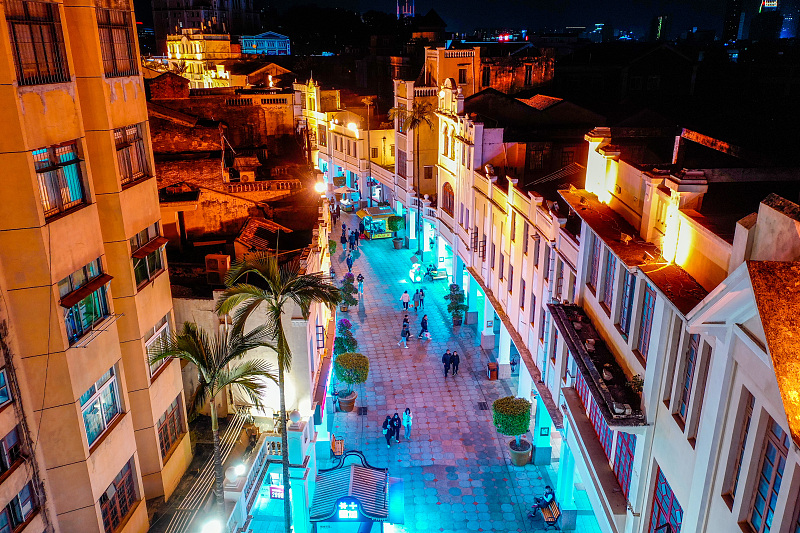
(456, 469)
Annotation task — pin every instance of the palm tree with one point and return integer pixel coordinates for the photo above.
(213, 355)
(274, 287)
(419, 114)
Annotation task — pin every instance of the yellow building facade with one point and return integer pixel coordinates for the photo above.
(82, 277)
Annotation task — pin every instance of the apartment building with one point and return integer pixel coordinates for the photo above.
(84, 280)
(198, 56)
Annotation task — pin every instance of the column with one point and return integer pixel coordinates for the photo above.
(565, 488)
(542, 449)
(504, 354)
(411, 227)
(525, 386)
(472, 289)
(487, 330)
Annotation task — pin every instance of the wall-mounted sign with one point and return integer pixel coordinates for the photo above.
(347, 509)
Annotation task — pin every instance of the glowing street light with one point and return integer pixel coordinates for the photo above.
(212, 526)
(320, 187)
(239, 469)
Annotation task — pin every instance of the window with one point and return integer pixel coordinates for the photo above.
(448, 199)
(536, 159)
(401, 163)
(445, 144)
(567, 157)
(773, 461)
(60, 181)
(502, 264)
(536, 240)
(84, 299)
(554, 347)
(623, 460)
(513, 225)
(525, 230)
(608, 280)
(10, 450)
(522, 294)
(131, 153)
(601, 429)
(401, 118)
(146, 254)
(466, 219)
(628, 287)
(117, 43)
(486, 76)
(491, 256)
(373, 153)
(542, 325)
(461, 214)
(18, 510)
(37, 42)
(533, 308)
(546, 265)
(391, 151)
(170, 427)
(594, 261)
(688, 375)
(118, 499)
(5, 394)
(322, 135)
(666, 508)
(646, 324)
(100, 405)
(462, 76)
(427, 173)
(156, 340)
(748, 416)
(510, 278)
(528, 74)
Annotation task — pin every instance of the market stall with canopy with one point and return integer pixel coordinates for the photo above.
(375, 221)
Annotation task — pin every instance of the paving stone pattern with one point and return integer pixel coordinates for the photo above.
(456, 468)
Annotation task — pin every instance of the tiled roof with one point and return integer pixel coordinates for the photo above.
(776, 287)
(540, 101)
(367, 485)
(257, 232)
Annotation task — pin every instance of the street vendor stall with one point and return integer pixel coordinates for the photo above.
(348, 198)
(375, 221)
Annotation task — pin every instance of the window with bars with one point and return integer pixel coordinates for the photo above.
(536, 159)
(608, 281)
(594, 262)
(131, 153)
(60, 180)
(623, 460)
(156, 341)
(401, 163)
(626, 307)
(37, 42)
(748, 402)
(5, 393)
(646, 324)
(666, 509)
(448, 199)
(100, 405)
(147, 254)
(688, 376)
(84, 299)
(373, 153)
(773, 462)
(10, 450)
(117, 43)
(567, 157)
(170, 427)
(322, 137)
(118, 499)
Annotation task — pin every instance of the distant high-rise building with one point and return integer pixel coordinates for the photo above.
(766, 25)
(659, 28)
(791, 16)
(733, 25)
(406, 9)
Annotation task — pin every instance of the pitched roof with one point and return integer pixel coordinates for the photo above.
(776, 288)
(540, 101)
(265, 35)
(365, 484)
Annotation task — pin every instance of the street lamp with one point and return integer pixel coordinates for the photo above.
(320, 187)
(212, 526)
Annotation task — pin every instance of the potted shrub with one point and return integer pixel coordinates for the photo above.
(332, 246)
(348, 289)
(344, 341)
(394, 224)
(512, 417)
(351, 368)
(456, 305)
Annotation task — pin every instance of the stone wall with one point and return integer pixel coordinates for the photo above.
(169, 137)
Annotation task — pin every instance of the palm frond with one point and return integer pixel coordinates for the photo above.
(249, 376)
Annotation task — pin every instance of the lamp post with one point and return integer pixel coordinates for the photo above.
(368, 102)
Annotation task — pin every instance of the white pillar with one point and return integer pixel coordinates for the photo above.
(504, 353)
(487, 332)
(565, 488)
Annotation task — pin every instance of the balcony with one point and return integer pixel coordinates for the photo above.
(603, 375)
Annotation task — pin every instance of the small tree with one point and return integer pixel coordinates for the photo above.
(394, 224)
(345, 341)
(512, 416)
(348, 289)
(332, 246)
(455, 299)
(351, 368)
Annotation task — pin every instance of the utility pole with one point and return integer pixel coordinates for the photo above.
(368, 102)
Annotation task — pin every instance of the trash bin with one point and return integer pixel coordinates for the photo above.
(491, 371)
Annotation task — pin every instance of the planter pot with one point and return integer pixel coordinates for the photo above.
(457, 321)
(347, 403)
(398, 243)
(343, 308)
(518, 457)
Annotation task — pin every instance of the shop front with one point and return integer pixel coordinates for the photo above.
(374, 219)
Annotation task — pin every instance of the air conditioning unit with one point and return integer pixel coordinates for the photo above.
(246, 177)
(217, 266)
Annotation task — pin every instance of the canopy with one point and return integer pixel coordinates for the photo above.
(375, 212)
(343, 190)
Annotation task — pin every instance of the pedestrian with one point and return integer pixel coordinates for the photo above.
(405, 298)
(361, 227)
(360, 280)
(352, 241)
(404, 332)
(338, 211)
(424, 325)
(358, 239)
(408, 419)
(343, 239)
(446, 362)
(416, 300)
(405, 321)
(422, 298)
(396, 426)
(349, 262)
(455, 360)
(388, 431)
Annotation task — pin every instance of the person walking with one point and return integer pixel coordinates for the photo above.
(405, 298)
(424, 325)
(455, 360)
(446, 362)
(408, 419)
(405, 321)
(352, 240)
(388, 431)
(343, 239)
(360, 280)
(404, 333)
(349, 262)
(396, 426)
(422, 298)
(358, 239)
(415, 298)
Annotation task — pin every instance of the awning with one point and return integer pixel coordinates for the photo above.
(343, 190)
(77, 295)
(150, 247)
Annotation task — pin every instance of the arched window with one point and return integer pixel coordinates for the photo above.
(448, 198)
(445, 142)
(453, 144)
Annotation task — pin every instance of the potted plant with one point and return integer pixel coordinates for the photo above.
(456, 305)
(332, 246)
(394, 224)
(351, 368)
(512, 417)
(348, 289)
(344, 341)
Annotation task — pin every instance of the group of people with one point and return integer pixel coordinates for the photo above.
(405, 330)
(450, 360)
(391, 427)
(351, 238)
(417, 300)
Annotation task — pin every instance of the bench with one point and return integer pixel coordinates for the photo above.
(551, 513)
(439, 273)
(337, 446)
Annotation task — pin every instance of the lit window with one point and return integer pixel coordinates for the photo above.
(322, 136)
(116, 43)
(156, 341)
(100, 405)
(118, 499)
(626, 309)
(131, 153)
(648, 307)
(773, 462)
(146, 253)
(60, 181)
(37, 42)
(666, 508)
(170, 427)
(84, 299)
